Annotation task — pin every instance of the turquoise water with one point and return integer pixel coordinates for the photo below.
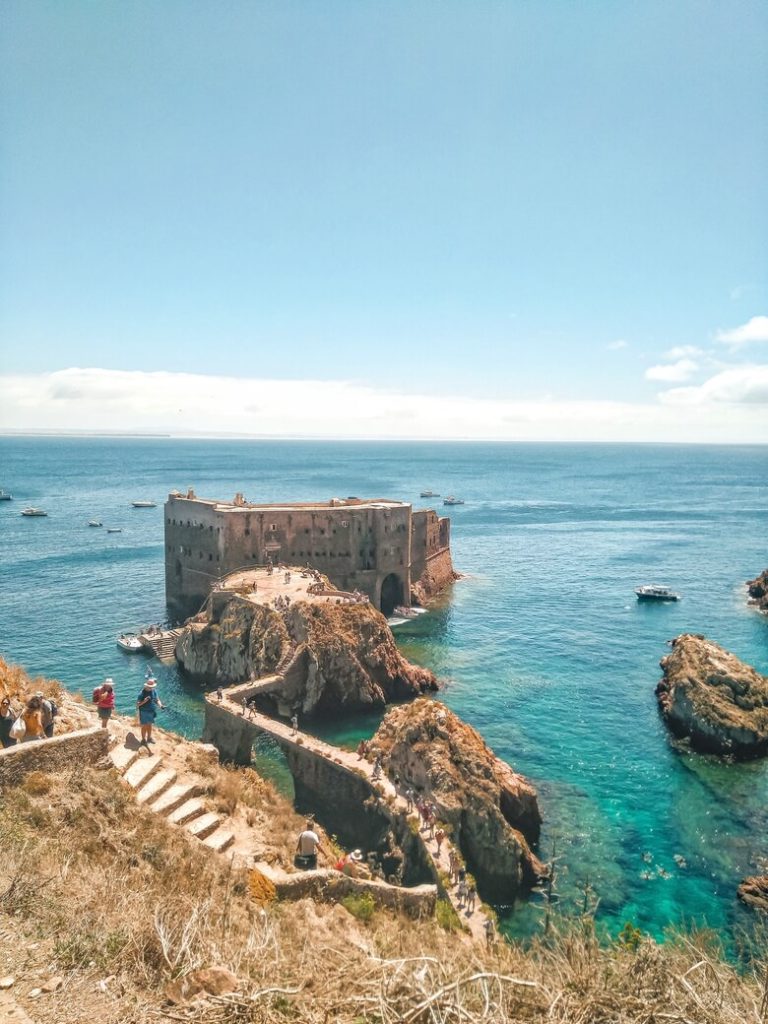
(542, 646)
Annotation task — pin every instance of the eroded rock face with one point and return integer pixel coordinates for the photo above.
(437, 575)
(754, 892)
(492, 811)
(327, 657)
(714, 699)
(758, 591)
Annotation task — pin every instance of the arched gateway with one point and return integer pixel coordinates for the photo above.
(391, 593)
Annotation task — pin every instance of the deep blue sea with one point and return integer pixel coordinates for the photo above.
(542, 646)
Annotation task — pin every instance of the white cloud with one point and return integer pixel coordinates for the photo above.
(683, 352)
(683, 369)
(614, 346)
(134, 401)
(755, 329)
(739, 385)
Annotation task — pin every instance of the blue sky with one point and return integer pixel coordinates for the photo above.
(551, 212)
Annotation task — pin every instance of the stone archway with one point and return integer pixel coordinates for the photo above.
(391, 593)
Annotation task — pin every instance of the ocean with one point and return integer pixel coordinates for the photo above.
(541, 646)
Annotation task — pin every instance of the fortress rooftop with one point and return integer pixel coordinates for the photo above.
(239, 502)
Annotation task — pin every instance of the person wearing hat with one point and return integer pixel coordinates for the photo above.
(7, 718)
(148, 703)
(105, 705)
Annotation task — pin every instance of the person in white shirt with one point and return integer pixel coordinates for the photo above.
(309, 846)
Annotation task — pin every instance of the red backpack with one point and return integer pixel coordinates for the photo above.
(97, 694)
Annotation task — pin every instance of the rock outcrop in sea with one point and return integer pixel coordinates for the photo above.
(713, 699)
(491, 811)
(754, 892)
(758, 591)
(323, 657)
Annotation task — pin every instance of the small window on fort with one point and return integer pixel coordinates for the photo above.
(273, 527)
(306, 531)
(210, 559)
(247, 532)
(344, 523)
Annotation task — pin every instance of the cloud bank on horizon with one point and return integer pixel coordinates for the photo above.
(729, 406)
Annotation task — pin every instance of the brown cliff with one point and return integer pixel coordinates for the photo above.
(492, 811)
(714, 699)
(758, 591)
(438, 573)
(754, 892)
(326, 657)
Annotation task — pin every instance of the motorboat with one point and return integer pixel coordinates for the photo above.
(33, 511)
(5, 496)
(144, 504)
(453, 501)
(401, 612)
(113, 529)
(95, 522)
(429, 494)
(654, 592)
(130, 643)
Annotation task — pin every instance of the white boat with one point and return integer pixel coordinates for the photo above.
(654, 592)
(394, 621)
(33, 511)
(144, 504)
(95, 522)
(453, 501)
(429, 494)
(130, 643)
(5, 496)
(114, 529)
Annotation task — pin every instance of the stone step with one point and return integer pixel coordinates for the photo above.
(202, 826)
(219, 841)
(187, 811)
(122, 758)
(158, 784)
(142, 770)
(175, 797)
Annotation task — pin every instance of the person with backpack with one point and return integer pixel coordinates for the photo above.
(7, 718)
(147, 704)
(104, 697)
(33, 719)
(49, 710)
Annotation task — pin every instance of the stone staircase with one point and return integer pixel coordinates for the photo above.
(178, 801)
(163, 644)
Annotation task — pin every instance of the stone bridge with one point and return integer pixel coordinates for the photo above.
(339, 787)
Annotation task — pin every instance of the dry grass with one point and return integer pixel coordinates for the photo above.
(109, 890)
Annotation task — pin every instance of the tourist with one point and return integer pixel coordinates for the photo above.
(439, 837)
(362, 750)
(376, 768)
(396, 782)
(33, 719)
(294, 723)
(462, 894)
(490, 931)
(48, 711)
(471, 896)
(251, 705)
(220, 694)
(148, 704)
(7, 718)
(106, 703)
(308, 847)
(409, 800)
(461, 875)
(453, 864)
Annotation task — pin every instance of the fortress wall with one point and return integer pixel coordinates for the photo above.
(430, 537)
(195, 542)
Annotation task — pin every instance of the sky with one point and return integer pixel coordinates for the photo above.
(512, 220)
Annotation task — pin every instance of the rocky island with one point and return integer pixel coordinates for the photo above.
(713, 699)
(758, 591)
(313, 656)
(492, 813)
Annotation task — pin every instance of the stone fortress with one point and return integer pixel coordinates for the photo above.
(383, 548)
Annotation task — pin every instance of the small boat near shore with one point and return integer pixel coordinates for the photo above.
(130, 643)
(450, 500)
(429, 494)
(95, 522)
(114, 529)
(654, 592)
(144, 504)
(31, 511)
(5, 496)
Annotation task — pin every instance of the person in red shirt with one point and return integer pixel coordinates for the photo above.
(105, 705)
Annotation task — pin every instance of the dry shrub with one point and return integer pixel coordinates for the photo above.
(37, 783)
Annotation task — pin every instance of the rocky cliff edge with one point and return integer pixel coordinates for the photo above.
(712, 698)
(327, 657)
(758, 591)
(492, 812)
